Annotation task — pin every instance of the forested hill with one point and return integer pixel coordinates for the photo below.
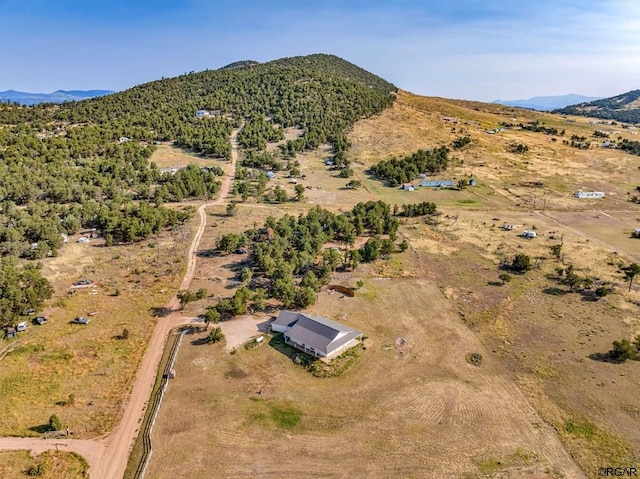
(625, 108)
(85, 164)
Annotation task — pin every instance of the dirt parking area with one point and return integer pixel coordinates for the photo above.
(241, 329)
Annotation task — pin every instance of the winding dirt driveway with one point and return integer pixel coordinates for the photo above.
(108, 456)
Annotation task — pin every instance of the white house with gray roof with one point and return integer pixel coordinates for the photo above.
(315, 335)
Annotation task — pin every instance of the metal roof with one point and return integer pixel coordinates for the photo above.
(317, 332)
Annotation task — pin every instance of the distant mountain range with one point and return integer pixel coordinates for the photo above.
(548, 103)
(624, 108)
(60, 96)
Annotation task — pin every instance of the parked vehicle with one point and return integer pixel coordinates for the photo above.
(41, 320)
(81, 320)
(21, 326)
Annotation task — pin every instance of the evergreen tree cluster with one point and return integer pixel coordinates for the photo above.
(289, 257)
(21, 288)
(402, 170)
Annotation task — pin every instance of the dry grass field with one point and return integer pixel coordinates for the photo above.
(56, 465)
(420, 409)
(83, 373)
(168, 156)
(401, 411)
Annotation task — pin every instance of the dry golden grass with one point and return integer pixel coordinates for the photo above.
(89, 364)
(386, 408)
(58, 465)
(167, 156)
(385, 417)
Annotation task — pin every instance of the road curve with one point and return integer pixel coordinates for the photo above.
(108, 456)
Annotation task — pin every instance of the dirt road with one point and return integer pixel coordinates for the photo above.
(108, 456)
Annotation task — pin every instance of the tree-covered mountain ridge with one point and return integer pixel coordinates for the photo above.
(624, 108)
(68, 166)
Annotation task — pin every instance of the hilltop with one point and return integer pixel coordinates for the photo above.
(624, 108)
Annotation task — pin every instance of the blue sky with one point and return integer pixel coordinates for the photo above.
(471, 49)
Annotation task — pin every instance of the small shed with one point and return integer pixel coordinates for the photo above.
(408, 187)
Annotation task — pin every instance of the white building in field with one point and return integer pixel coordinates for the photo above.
(589, 194)
(315, 335)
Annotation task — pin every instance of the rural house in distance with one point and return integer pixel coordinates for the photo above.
(315, 335)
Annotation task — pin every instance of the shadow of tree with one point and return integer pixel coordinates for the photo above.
(553, 291)
(160, 311)
(41, 429)
(495, 283)
(200, 341)
(605, 358)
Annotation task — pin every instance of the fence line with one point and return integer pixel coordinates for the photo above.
(156, 401)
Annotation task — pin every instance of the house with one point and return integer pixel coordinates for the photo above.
(202, 113)
(507, 227)
(436, 183)
(408, 187)
(10, 332)
(315, 335)
(529, 234)
(589, 194)
(123, 139)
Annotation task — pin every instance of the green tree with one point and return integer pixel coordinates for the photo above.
(623, 350)
(521, 263)
(630, 272)
(215, 335)
(279, 194)
(305, 296)
(504, 277)
(299, 192)
(232, 209)
(185, 296)
(354, 184)
(55, 424)
(246, 274)
(201, 294)
(211, 315)
(556, 251)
